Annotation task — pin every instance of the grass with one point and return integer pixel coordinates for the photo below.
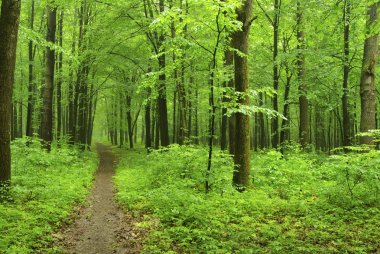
(299, 203)
(45, 188)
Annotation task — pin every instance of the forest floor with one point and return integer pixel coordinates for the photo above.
(101, 225)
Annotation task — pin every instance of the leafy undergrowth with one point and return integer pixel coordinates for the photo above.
(45, 187)
(299, 203)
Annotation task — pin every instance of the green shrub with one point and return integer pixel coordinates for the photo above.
(293, 207)
(45, 186)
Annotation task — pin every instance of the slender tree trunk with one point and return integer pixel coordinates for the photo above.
(60, 79)
(47, 117)
(304, 127)
(231, 118)
(72, 95)
(148, 138)
(196, 117)
(276, 76)
(190, 107)
(367, 83)
(228, 61)
(121, 118)
(162, 104)
(262, 123)
(241, 178)
(285, 126)
(346, 72)
(157, 135)
(31, 95)
(14, 122)
(129, 121)
(9, 23)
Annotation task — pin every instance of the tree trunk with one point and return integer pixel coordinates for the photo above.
(148, 138)
(229, 61)
(346, 72)
(121, 120)
(157, 130)
(60, 78)
(241, 178)
(285, 126)
(47, 117)
(276, 22)
(31, 95)
(71, 93)
(304, 127)
(129, 121)
(367, 83)
(196, 117)
(162, 104)
(9, 23)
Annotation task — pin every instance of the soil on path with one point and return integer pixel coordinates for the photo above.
(102, 227)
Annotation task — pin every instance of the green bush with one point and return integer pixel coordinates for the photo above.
(299, 203)
(45, 186)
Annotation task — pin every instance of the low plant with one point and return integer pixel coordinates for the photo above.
(44, 189)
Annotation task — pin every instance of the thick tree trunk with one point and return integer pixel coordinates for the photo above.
(47, 117)
(367, 83)
(304, 127)
(9, 23)
(241, 178)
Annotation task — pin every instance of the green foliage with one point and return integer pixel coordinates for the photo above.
(45, 186)
(300, 203)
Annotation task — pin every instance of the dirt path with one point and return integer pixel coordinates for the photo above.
(101, 226)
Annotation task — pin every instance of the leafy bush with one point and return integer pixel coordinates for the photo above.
(300, 203)
(45, 186)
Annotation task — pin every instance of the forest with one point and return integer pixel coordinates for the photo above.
(189, 126)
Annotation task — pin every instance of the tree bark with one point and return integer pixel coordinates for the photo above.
(304, 127)
(276, 22)
(71, 93)
(346, 72)
(60, 78)
(31, 95)
(148, 137)
(241, 178)
(9, 23)
(162, 103)
(367, 83)
(47, 117)
(129, 120)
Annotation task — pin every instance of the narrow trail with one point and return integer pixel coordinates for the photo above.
(102, 227)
